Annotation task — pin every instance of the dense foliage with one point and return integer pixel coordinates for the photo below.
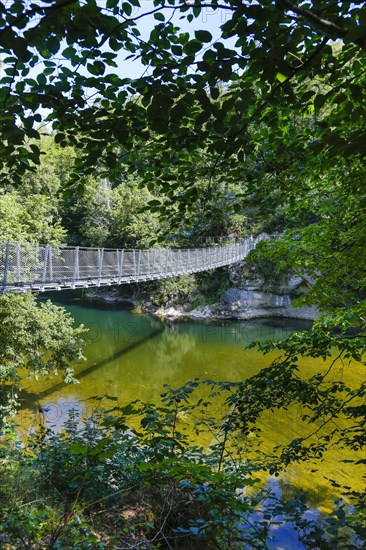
(35, 340)
(131, 477)
(63, 56)
(259, 129)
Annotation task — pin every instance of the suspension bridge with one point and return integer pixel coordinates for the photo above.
(38, 268)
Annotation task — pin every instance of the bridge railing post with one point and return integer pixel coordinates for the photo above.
(19, 272)
(139, 264)
(46, 253)
(146, 263)
(76, 264)
(120, 267)
(153, 262)
(166, 260)
(50, 262)
(118, 263)
(100, 262)
(6, 264)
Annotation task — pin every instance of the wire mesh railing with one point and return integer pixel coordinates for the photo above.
(38, 267)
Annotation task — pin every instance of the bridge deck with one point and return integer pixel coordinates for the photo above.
(38, 268)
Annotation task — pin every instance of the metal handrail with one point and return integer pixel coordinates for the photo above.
(37, 267)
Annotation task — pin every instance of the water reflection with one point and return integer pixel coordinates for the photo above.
(132, 356)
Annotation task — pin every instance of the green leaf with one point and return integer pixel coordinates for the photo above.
(203, 36)
(192, 47)
(78, 448)
(319, 101)
(127, 8)
(53, 44)
(97, 68)
(215, 92)
(109, 452)
(69, 52)
(114, 44)
(281, 77)
(41, 79)
(21, 49)
(159, 16)
(59, 137)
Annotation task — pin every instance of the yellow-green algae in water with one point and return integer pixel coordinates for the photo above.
(132, 356)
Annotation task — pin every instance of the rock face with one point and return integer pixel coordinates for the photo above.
(254, 303)
(249, 298)
(245, 304)
(238, 299)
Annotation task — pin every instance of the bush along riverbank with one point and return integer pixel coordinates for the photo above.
(131, 477)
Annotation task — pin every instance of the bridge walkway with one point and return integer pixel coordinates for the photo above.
(38, 268)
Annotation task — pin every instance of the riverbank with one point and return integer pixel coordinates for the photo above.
(218, 311)
(236, 304)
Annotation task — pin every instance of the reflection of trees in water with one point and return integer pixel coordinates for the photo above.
(173, 349)
(185, 351)
(166, 359)
(245, 332)
(317, 488)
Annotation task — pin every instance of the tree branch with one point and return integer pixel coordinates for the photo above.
(325, 26)
(37, 10)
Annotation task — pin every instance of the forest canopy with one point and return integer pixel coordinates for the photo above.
(272, 60)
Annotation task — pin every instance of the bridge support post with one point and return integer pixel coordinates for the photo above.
(134, 264)
(139, 264)
(76, 264)
(120, 263)
(19, 273)
(46, 255)
(153, 262)
(122, 258)
(166, 259)
(50, 261)
(100, 262)
(6, 265)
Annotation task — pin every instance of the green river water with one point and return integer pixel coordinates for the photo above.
(131, 356)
